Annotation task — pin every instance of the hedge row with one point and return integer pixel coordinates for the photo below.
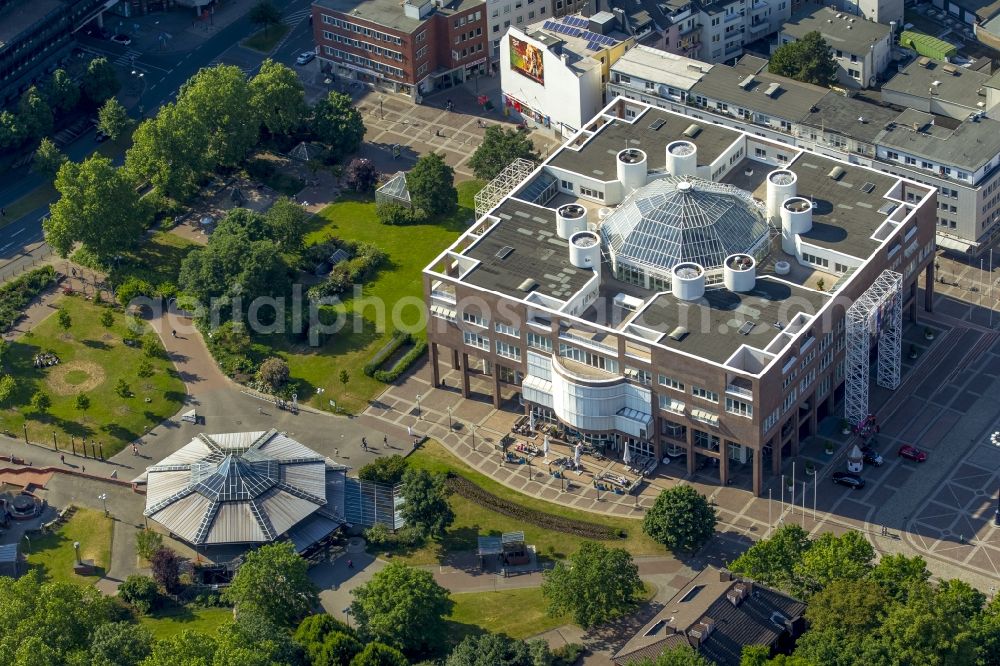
(398, 340)
(470, 491)
(19, 292)
(401, 366)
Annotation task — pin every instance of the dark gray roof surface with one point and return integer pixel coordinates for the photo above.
(841, 114)
(969, 146)
(791, 101)
(957, 85)
(746, 624)
(849, 33)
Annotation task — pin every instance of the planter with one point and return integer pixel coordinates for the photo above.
(928, 334)
(845, 431)
(810, 470)
(829, 451)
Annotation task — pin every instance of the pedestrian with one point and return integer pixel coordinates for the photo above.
(409, 431)
(3, 212)
(414, 443)
(83, 469)
(173, 333)
(350, 564)
(385, 440)
(364, 443)
(444, 383)
(62, 459)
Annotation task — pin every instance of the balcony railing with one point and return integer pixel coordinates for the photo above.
(739, 390)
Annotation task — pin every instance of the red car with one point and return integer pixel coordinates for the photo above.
(912, 453)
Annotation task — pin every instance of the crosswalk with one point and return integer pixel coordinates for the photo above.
(128, 58)
(295, 18)
(248, 70)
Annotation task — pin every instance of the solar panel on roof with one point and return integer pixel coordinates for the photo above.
(504, 252)
(594, 46)
(549, 25)
(867, 188)
(657, 124)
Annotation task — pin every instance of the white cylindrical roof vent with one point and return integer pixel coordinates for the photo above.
(688, 282)
(585, 250)
(631, 169)
(682, 158)
(796, 218)
(570, 218)
(781, 184)
(603, 213)
(782, 267)
(739, 273)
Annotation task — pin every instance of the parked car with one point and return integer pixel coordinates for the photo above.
(852, 481)
(305, 58)
(912, 453)
(124, 40)
(871, 456)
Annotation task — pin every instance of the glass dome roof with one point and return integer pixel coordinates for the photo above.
(678, 219)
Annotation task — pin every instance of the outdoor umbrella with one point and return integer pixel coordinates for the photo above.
(545, 448)
(627, 456)
(531, 421)
(576, 455)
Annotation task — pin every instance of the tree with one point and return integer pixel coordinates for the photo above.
(147, 542)
(681, 519)
(986, 634)
(500, 147)
(186, 648)
(755, 655)
(113, 119)
(277, 98)
(107, 319)
(855, 607)
(809, 60)
(425, 502)
(402, 607)
(432, 186)
(312, 634)
(40, 401)
(62, 91)
(274, 372)
(122, 388)
(682, 655)
(344, 377)
(11, 132)
(144, 369)
(140, 592)
(34, 115)
(595, 584)
(337, 122)
(65, 320)
(378, 654)
(336, 649)
(97, 207)
(832, 557)
(253, 640)
(264, 14)
(168, 151)
(897, 573)
(100, 81)
(120, 644)
(286, 222)
(7, 386)
(388, 470)
(220, 95)
(48, 158)
(958, 599)
(361, 175)
(491, 650)
(772, 561)
(166, 567)
(82, 402)
(273, 581)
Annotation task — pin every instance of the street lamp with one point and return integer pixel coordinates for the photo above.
(420, 414)
(450, 427)
(995, 440)
(474, 438)
(104, 500)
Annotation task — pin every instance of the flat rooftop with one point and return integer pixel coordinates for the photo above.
(596, 158)
(644, 62)
(968, 146)
(850, 117)
(949, 83)
(714, 323)
(536, 253)
(841, 30)
(390, 13)
(766, 93)
(22, 15)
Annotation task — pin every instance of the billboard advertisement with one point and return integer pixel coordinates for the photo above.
(527, 60)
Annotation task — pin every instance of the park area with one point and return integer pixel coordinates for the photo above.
(173, 619)
(127, 390)
(409, 248)
(52, 554)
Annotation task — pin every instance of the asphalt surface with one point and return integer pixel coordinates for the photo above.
(22, 242)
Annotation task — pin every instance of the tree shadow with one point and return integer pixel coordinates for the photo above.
(99, 345)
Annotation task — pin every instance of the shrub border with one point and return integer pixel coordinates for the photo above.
(378, 358)
(403, 364)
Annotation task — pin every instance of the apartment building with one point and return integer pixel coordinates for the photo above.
(684, 289)
(502, 14)
(652, 76)
(414, 47)
(35, 35)
(861, 48)
(727, 25)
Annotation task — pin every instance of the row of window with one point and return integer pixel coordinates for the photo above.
(468, 18)
(593, 194)
(508, 350)
(536, 341)
(367, 46)
(588, 358)
(465, 36)
(368, 32)
(364, 62)
(815, 261)
(739, 407)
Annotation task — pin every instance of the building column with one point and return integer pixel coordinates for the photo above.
(813, 416)
(454, 359)
(723, 462)
(496, 386)
(758, 472)
(929, 288)
(690, 449)
(831, 399)
(465, 375)
(435, 372)
(795, 435)
(913, 301)
(776, 445)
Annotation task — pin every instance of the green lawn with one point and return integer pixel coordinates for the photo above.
(265, 41)
(518, 613)
(92, 360)
(174, 619)
(53, 554)
(473, 520)
(156, 260)
(410, 249)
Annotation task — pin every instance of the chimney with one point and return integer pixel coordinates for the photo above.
(725, 576)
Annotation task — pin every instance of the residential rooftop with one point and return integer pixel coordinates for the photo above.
(850, 117)
(969, 146)
(574, 32)
(390, 13)
(941, 81)
(22, 15)
(644, 62)
(596, 158)
(764, 92)
(842, 31)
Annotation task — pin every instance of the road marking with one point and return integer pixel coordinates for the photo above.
(5, 247)
(17, 232)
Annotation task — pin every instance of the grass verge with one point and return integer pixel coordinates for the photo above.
(53, 554)
(396, 288)
(518, 613)
(264, 41)
(36, 198)
(473, 520)
(92, 360)
(174, 619)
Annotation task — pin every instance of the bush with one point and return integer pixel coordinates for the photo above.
(147, 542)
(151, 346)
(395, 214)
(398, 340)
(472, 492)
(362, 266)
(166, 566)
(409, 537)
(361, 175)
(378, 534)
(122, 388)
(384, 470)
(19, 292)
(402, 365)
(274, 373)
(140, 592)
(568, 654)
(132, 288)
